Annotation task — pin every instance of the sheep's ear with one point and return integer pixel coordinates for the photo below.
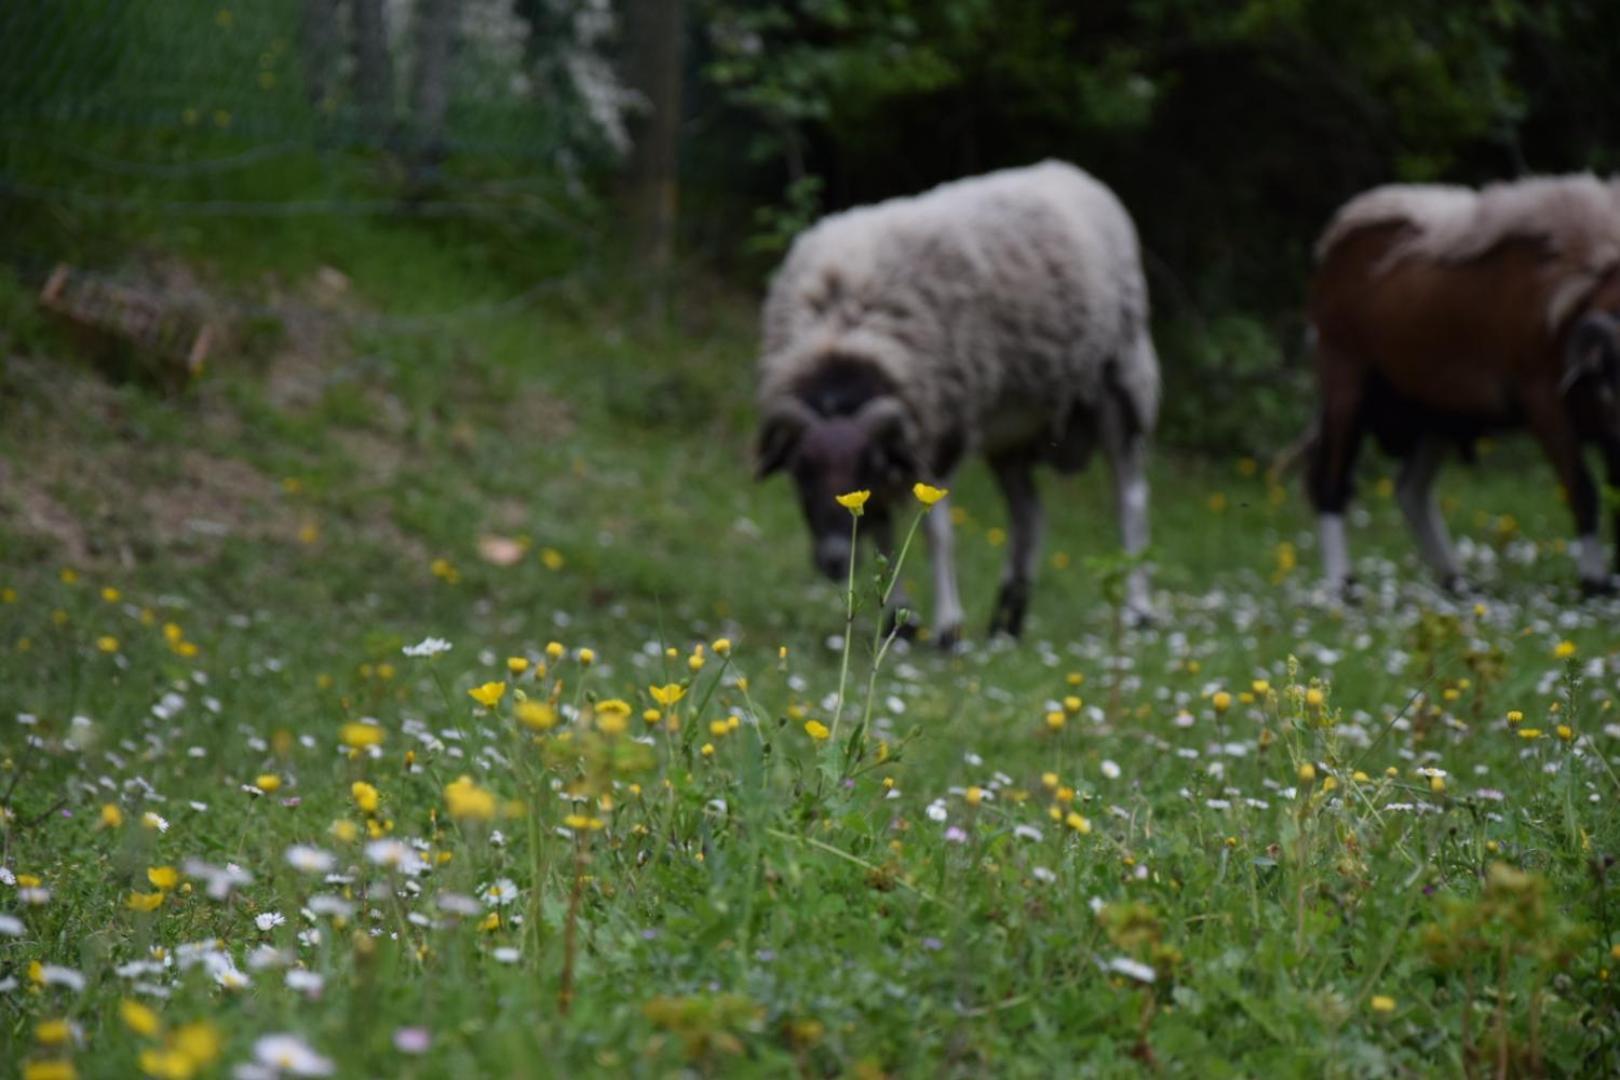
(779, 433)
(776, 441)
(888, 446)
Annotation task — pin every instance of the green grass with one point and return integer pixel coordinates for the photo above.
(750, 911)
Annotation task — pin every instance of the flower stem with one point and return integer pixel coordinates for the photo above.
(849, 626)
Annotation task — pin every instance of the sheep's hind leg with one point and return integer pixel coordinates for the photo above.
(1126, 450)
(1017, 482)
(1592, 564)
(947, 629)
(1415, 493)
(1333, 458)
(1550, 424)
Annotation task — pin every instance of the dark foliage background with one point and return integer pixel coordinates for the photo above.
(1230, 129)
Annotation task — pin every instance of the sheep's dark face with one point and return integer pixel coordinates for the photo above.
(829, 456)
(831, 460)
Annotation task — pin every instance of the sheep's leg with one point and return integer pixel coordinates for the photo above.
(942, 549)
(1017, 482)
(1551, 426)
(1126, 450)
(1415, 493)
(1333, 458)
(1611, 462)
(882, 532)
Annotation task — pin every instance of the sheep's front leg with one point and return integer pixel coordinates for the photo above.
(1126, 450)
(882, 533)
(1025, 516)
(1611, 464)
(1415, 493)
(942, 549)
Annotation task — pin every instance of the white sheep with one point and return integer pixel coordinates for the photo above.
(1004, 315)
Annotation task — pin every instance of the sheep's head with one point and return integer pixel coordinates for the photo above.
(1592, 364)
(827, 456)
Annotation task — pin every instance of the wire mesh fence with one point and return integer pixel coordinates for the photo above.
(486, 77)
(121, 119)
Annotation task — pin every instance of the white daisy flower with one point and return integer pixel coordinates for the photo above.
(56, 975)
(427, 648)
(310, 860)
(290, 1055)
(500, 893)
(1134, 969)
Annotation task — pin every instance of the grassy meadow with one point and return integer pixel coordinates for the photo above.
(414, 696)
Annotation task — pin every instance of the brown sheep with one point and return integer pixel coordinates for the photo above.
(1440, 314)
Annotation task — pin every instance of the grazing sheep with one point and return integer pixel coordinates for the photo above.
(1440, 314)
(1004, 315)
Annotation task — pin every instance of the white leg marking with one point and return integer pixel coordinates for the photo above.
(1589, 559)
(1335, 550)
(1127, 457)
(941, 544)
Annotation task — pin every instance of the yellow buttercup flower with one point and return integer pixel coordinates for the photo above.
(668, 694)
(361, 736)
(111, 816)
(536, 715)
(467, 801)
(49, 1070)
(143, 901)
(163, 877)
(517, 665)
(854, 501)
(581, 823)
(928, 495)
(137, 1017)
(1564, 650)
(816, 730)
(52, 1032)
(365, 796)
(612, 716)
(489, 695)
(269, 782)
(1381, 1003)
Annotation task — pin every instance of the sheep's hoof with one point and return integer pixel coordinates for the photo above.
(1352, 592)
(1598, 588)
(902, 624)
(1011, 604)
(948, 638)
(1140, 618)
(1456, 585)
